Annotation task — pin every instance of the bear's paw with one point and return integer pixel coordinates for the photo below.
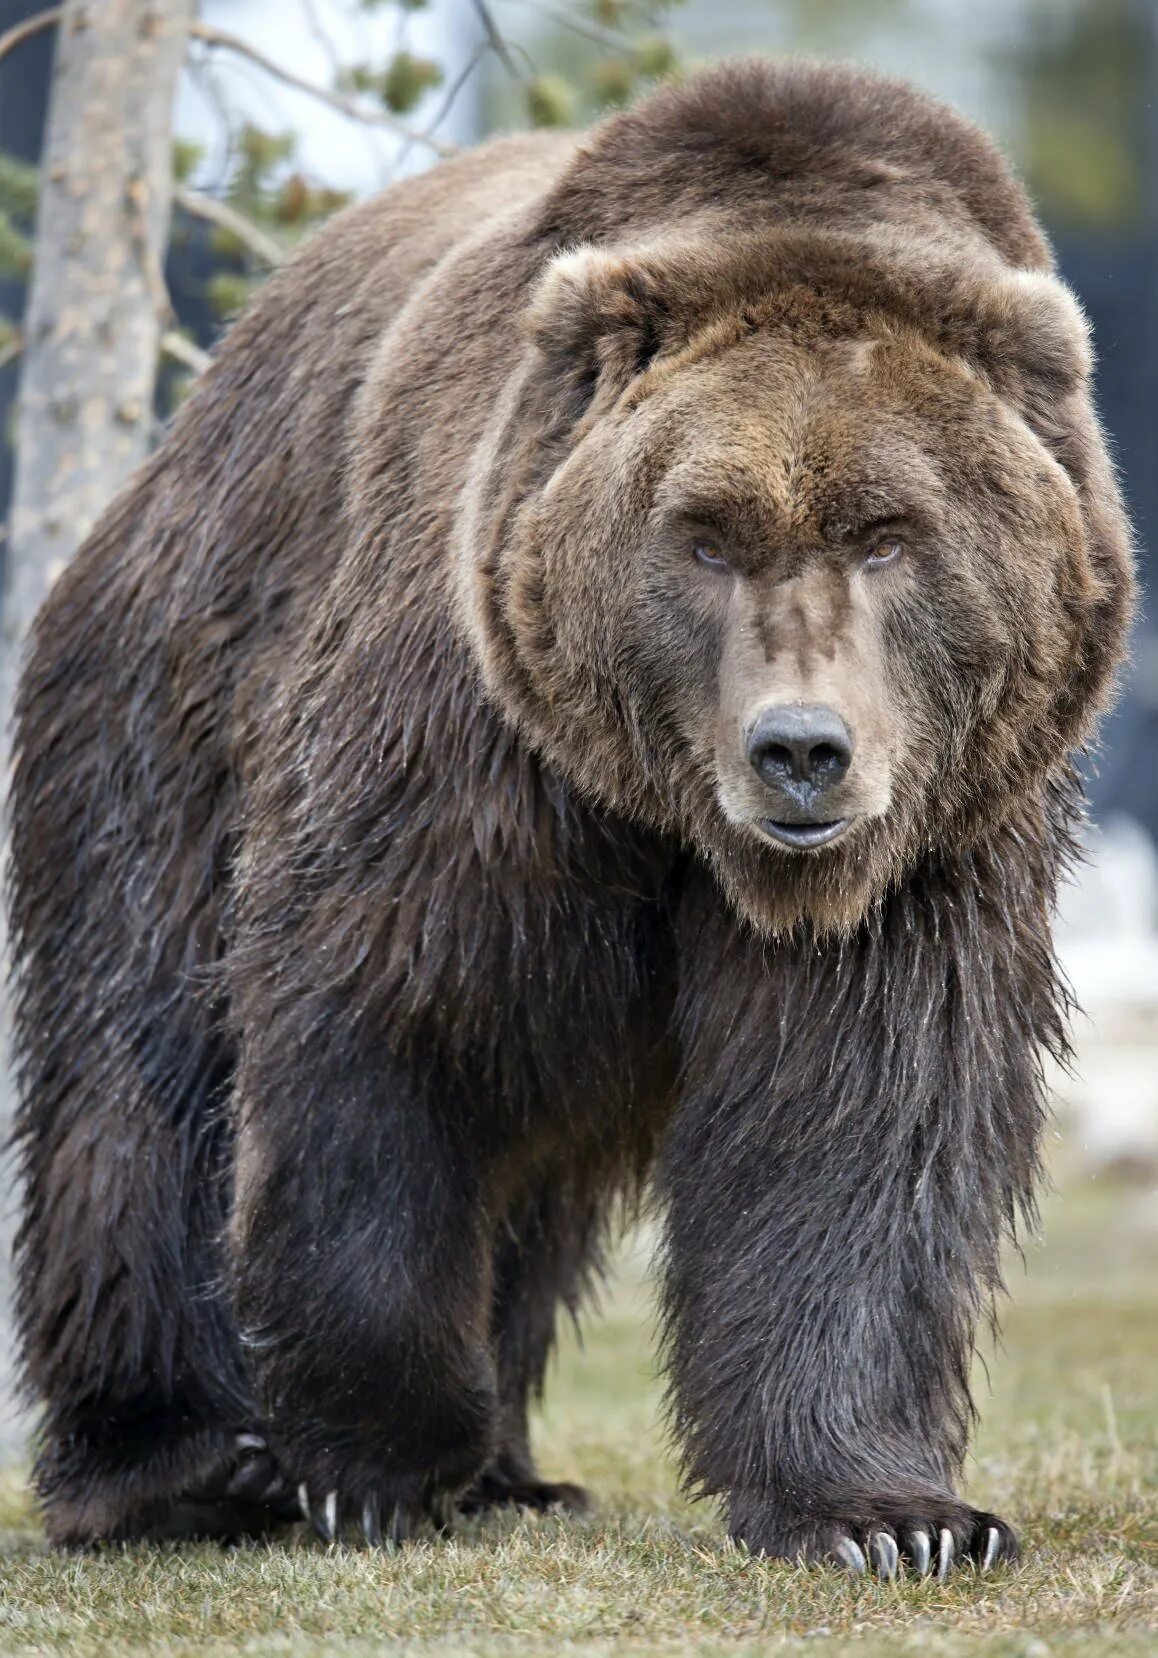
(924, 1543)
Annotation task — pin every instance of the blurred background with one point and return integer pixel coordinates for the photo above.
(260, 117)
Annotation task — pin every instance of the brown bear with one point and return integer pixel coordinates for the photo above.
(580, 703)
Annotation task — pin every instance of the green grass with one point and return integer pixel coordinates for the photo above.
(1068, 1450)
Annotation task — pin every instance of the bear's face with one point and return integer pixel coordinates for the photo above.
(807, 598)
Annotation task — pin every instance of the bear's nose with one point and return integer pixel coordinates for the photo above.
(802, 748)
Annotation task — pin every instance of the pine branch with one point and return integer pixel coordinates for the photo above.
(212, 37)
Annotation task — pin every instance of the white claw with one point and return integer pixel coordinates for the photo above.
(992, 1548)
(851, 1555)
(944, 1554)
(330, 1516)
(249, 1442)
(304, 1500)
(884, 1554)
(921, 1552)
(371, 1529)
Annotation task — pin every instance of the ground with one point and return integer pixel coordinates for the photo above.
(1068, 1449)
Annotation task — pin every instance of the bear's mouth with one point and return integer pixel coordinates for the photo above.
(803, 836)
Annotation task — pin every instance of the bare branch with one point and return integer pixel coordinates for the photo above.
(183, 351)
(220, 213)
(494, 37)
(448, 101)
(20, 32)
(589, 31)
(203, 72)
(326, 45)
(11, 349)
(314, 24)
(345, 106)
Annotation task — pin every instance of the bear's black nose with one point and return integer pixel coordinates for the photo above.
(801, 749)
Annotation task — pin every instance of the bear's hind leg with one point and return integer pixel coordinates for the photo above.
(118, 861)
(126, 1336)
(548, 1251)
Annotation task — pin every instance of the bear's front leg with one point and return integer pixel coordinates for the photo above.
(361, 1279)
(859, 1121)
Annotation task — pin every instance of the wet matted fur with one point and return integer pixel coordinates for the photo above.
(394, 884)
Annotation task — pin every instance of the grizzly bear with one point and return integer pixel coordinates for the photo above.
(579, 706)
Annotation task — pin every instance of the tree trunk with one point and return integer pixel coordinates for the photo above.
(96, 302)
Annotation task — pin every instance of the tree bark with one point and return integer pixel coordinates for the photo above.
(97, 303)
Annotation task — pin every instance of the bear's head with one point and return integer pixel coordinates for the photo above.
(801, 549)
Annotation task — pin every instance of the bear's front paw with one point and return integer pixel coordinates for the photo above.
(374, 1512)
(933, 1537)
(377, 1478)
(355, 1485)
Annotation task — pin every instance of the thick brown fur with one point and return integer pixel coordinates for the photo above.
(391, 889)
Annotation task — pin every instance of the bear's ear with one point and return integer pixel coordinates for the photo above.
(598, 319)
(1034, 347)
(1031, 339)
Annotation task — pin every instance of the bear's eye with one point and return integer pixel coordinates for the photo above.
(706, 552)
(884, 552)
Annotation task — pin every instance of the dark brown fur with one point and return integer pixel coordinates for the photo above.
(388, 894)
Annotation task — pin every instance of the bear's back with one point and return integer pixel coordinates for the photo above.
(758, 142)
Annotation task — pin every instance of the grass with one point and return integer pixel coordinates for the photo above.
(1068, 1450)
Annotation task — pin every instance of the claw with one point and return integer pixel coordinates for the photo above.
(992, 1548)
(920, 1551)
(304, 1500)
(850, 1554)
(249, 1442)
(944, 1554)
(326, 1523)
(398, 1529)
(371, 1525)
(884, 1553)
